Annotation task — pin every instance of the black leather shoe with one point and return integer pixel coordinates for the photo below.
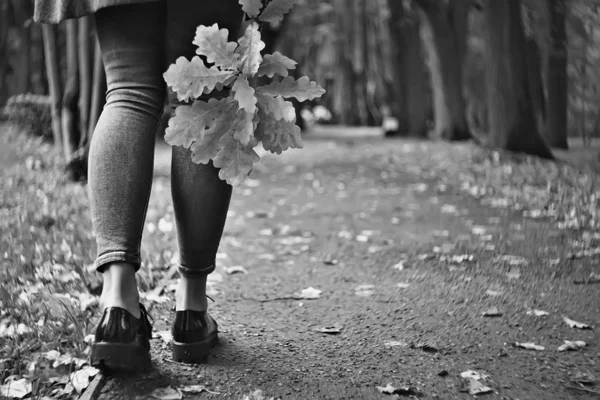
(195, 333)
(122, 341)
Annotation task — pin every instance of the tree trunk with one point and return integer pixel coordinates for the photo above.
(556, 127)
(70, 117)
(85, 78)
(345, 103)
(22, 15)
(4, 8)
(39, 82)
(536, 85)
(445, 41)
(77, 168)
(98, 90)
(54, 81)
(398, 60)
(416, 80)
(512, 122)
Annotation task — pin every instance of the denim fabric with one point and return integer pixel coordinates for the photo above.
(138, 42)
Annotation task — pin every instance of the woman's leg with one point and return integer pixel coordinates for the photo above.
(122, 149)
(200, 198)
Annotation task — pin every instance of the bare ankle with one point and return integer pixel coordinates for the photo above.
(120, 288)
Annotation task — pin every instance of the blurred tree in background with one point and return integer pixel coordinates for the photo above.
(520, 75)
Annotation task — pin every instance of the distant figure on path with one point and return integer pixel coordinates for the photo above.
(139, 39)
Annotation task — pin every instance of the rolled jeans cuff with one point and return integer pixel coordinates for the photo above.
(117, 256)
(195, 272)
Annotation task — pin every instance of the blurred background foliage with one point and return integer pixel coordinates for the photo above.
(520, 75)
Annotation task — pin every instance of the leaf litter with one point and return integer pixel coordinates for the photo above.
(574, 324)
(401, 391)
(572, 345)
(529, 346)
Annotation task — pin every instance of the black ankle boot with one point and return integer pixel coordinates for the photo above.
(195, 333)
(122, 341)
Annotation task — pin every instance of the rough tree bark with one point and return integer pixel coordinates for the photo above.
(410, 91)
(445, 41)
(345, 101)
(70, 115)
(536, 85)
(54, 81)
(512, 122)
(556, 126)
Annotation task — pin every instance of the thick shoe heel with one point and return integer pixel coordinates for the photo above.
(193, 353)
(120, 357)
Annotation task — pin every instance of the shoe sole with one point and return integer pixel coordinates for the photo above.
(120, 357)
(193, 353)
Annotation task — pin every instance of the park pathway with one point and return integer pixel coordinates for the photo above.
(420, 275)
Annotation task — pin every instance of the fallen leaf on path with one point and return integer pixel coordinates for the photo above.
(538, 313)
(196, 389)
(7, 329)
(374, 249)
(330, 260)
(478, 230)
(362, 238)
(89, 339)
(395, 343)
(492, 312)
(153, 297)
(81, 379)
(331, 329)
(310, 293)
(572, 345)
(236, 269)
(16, 389)
(476, 388)
(364, 290)
(402, 391)
(457, 258)
(399, 266)
(530, 346)
(87, 300)
(256, 395)
(403, 285)
(470, 374)
(424, 347)
(168, 393)
(515, 261)
(166, 336)
(574, 324)
(593, 278)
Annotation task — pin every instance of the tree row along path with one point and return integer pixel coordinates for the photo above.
(418, 281)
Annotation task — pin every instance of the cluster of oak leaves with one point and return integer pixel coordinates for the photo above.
(227, 130)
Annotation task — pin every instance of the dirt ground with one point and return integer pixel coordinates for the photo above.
(410, 243)
(407, 263)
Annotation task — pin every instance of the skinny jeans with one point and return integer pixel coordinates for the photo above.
(138, 42)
